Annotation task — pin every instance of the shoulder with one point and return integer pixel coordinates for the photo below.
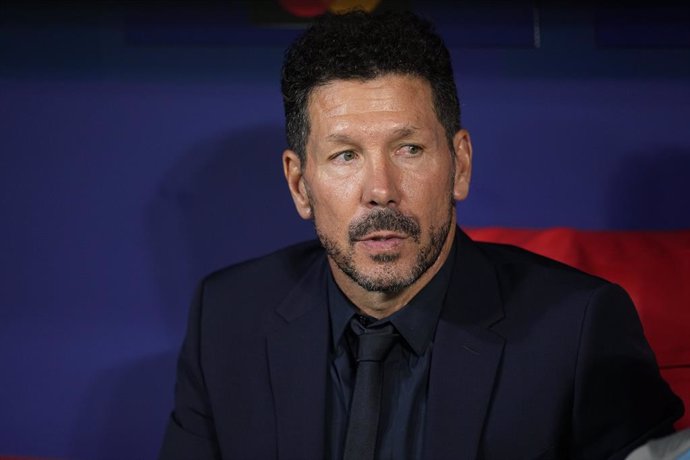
(517, 267)
(540, 290)
(264, 280)
(560, 303)
(289, 263)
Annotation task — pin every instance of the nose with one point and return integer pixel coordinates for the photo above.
(381, 183)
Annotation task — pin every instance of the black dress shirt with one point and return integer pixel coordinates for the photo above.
(406, 369)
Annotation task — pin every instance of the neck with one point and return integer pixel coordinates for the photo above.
(383, 304)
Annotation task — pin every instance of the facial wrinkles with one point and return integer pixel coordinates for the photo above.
(385, 219)
(384, 281)
(371, 122)
(367, 109)
(358, 99)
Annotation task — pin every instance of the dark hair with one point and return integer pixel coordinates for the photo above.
(359, 45)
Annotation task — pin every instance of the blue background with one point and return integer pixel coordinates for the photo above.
(141, 150)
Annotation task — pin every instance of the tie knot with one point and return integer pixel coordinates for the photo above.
(373, 343)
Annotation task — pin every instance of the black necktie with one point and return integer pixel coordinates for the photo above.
(362, 428)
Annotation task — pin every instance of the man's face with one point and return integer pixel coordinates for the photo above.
(380, 180)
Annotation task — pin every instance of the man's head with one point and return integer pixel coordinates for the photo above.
(376, 155)
(360, 46)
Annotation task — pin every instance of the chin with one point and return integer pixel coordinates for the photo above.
(384, 278)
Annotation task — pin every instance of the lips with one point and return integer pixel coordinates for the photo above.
(382, 236)
(382, 241)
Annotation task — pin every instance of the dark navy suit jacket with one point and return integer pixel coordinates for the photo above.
(531, 359)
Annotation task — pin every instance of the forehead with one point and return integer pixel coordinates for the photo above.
(392, 96)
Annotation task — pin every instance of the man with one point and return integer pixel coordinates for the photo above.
(480, 350)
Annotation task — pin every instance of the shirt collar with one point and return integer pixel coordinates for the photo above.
(415, 322)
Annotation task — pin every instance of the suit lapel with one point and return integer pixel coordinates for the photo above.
(465, 357)
(298, 357)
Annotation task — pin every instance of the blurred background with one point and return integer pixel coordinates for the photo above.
(140, 149)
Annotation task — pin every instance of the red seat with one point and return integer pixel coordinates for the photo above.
(653, 266)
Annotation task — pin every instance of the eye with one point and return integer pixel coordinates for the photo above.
(346, 156)
(411, 150)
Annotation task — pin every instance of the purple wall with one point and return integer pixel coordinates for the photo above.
(129, 171)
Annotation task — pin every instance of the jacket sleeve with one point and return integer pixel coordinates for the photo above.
(190, 434)
(620, 400)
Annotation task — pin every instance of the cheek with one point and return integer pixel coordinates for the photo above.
(335, 204)
(337, 193)
(428, 191)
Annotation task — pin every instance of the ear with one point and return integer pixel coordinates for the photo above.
(292, 168)
(463, 164)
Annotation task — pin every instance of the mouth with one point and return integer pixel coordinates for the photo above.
(381, 241)
(381, 236)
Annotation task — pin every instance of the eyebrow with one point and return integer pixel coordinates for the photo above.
(398, 133)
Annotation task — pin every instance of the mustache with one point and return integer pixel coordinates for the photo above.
(384, 219)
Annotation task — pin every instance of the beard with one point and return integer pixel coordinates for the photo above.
(386, 278)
